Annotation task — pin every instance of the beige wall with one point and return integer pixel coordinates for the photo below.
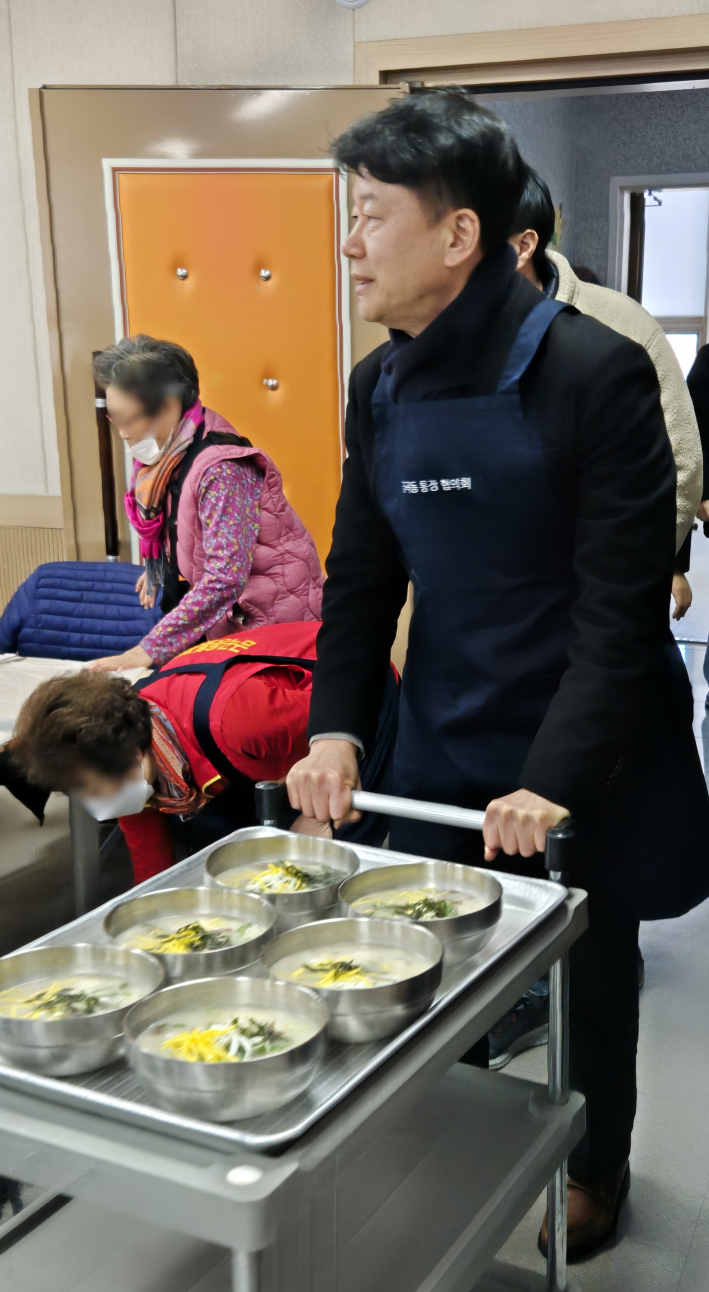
(395, 19)
(168, 43)
(28, 448)
(264, 42)
(115, 42)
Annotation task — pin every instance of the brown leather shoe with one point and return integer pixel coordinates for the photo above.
(592, 1216)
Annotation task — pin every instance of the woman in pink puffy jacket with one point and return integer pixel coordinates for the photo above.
(216, 532)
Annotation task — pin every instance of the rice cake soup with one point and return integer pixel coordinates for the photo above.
(346, 965)
(418, 903)
(212, 1036)
(172, 936)
(79, 996)
(268, 878)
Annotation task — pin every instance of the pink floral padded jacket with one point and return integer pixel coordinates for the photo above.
(285, 583)
(248, 557)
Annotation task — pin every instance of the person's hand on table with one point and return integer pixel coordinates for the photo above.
(703, 510)
(135, 658)
(681, 595)
(320, 786)
(518, 823)
(147, 599)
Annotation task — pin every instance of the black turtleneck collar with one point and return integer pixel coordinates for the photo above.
(420, 367)
(550, 286)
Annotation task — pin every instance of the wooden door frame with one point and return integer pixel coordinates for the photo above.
(44, 510)
(638, 46)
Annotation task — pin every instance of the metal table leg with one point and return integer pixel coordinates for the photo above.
(85, 858)
(558, 1067)
(245, 1271)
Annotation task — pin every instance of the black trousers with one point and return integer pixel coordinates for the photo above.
(603, 1007)
(603, 1043)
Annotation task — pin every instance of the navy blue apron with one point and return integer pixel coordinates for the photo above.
(468, 487)
(480, 504)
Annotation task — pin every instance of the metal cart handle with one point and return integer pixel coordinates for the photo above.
(272, 802)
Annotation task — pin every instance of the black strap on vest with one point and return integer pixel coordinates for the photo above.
(205, 698)
(175, 587)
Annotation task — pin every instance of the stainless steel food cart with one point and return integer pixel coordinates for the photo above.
(400, 1170)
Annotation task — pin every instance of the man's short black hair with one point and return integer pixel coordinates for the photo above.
(536, 211)
(447, 148)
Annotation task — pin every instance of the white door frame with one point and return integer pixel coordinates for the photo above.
(621, 187)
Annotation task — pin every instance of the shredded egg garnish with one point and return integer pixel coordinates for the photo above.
(230, 1042)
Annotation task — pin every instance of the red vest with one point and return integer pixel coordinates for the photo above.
(175, 694)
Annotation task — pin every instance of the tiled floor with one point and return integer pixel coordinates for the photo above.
(663, 1242)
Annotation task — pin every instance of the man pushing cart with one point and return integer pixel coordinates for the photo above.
(508, 457)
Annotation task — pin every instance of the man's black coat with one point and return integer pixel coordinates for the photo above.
(596, 398)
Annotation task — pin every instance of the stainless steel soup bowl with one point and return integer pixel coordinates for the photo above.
(255, 847)
(224, 1092)
(63, 1047)
(367, 1013)
(461, 935)
(193, 903)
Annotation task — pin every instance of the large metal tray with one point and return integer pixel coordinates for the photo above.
(116, 1094)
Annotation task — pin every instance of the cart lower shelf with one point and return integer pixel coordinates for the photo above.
(429, 1204)
(423, 1209)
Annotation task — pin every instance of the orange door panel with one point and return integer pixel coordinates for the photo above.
(243, 329)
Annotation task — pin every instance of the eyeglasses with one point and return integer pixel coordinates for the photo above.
(125, 426)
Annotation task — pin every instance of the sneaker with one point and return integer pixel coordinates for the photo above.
(525, 1027)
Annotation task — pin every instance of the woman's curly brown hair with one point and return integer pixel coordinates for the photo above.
(79, 721)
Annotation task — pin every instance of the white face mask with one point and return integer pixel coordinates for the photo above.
(148, 451)
(129, 800)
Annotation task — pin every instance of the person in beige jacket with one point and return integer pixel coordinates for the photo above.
(552, 274)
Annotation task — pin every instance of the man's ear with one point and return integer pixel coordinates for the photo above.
(525, 244)
(463, 235)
